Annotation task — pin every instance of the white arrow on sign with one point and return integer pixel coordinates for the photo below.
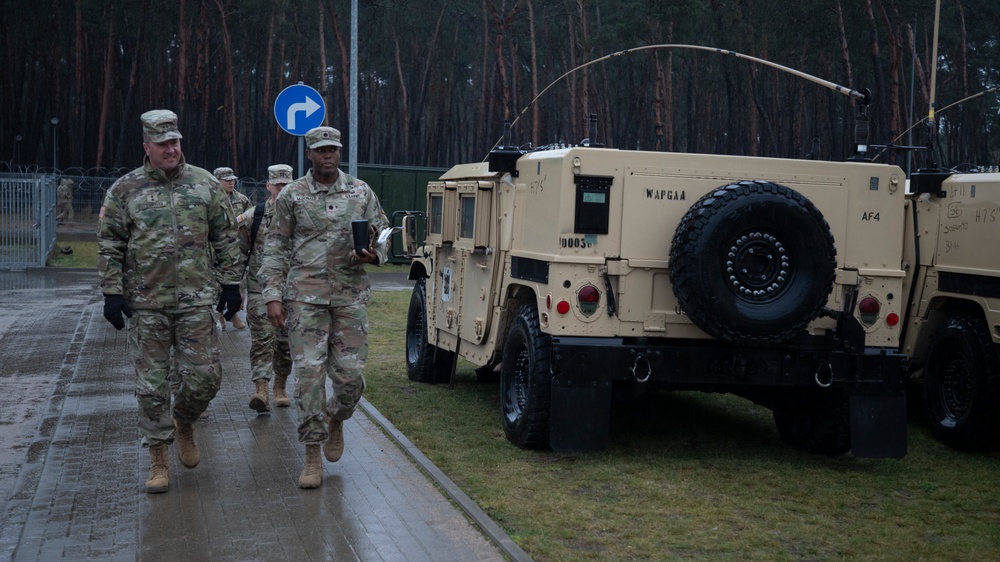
(309, 106)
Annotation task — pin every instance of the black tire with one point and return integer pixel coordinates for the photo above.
(817, 422)
(962, 385)
(752, 262)
(526, 381)
(422, 365)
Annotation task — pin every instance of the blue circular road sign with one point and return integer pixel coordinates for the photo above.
(299, 108)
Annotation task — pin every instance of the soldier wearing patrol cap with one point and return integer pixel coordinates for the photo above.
(269, 353)
(166, 239)
(311, 273)
(227, 178)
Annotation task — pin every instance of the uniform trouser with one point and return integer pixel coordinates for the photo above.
(269, 354)
(194, 340)
(326, 342)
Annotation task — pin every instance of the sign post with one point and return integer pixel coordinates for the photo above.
(297, 109)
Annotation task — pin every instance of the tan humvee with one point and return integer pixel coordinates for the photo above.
(952, 328)
(579, 269)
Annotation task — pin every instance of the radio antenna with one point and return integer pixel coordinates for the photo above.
(864, 97)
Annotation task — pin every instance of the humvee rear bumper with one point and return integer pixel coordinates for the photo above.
(585, 368)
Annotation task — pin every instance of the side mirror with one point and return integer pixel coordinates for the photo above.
(409, 234)
(407, 227)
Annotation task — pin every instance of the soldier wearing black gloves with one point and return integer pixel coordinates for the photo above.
(169, 254)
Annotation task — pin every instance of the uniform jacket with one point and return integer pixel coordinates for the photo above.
(167, 243)
(308, 250)
(239, 201)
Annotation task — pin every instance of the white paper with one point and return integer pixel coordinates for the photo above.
(386, 233)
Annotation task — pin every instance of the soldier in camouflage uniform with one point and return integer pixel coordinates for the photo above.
(268, 344)
(240, 203)
(166, 241)
(64, 198)
(312, 273)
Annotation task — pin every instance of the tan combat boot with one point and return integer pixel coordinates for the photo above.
(312, 473)
(280, 398)
(158, 481)
(258, 400)
(222, 321)
(238, 323)
(333, 449)
(187, 449)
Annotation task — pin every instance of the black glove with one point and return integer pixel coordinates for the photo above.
(230, 301)
(114, 306)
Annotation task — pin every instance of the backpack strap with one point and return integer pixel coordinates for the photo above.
(258, 215)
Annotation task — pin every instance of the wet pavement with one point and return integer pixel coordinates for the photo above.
(72, 471)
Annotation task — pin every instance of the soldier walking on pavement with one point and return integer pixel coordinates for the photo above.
(315, 285)
(240, 204)
(268, 344)
(166, 240)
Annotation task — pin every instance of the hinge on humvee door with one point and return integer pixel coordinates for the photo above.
(612, 303)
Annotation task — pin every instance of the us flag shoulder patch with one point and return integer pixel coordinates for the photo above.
(101, 214)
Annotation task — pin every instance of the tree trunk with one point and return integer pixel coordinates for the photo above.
(345, 67)
(963, 150)
(584, 107)
(845, 51)
(481, 119)
(879, 75)
(132, 84)
(535, 126)
(79, 96)
(324, 82)
(182, 55)
(201, 79)
(895, 68)
(404, 104)
(109, 61)
(267, 102)
(229, 119)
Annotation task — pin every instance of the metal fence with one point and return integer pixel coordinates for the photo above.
(27, 220)
(397, 187)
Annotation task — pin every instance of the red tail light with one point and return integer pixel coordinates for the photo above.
(868, 309)
(588, 296)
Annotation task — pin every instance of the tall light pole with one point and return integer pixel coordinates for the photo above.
(352, 167)
(55, 163)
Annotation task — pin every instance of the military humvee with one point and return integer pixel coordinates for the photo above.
(952, 324)
(578, 269)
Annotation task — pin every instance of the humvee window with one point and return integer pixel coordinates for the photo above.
(437, 208)
(466, 220)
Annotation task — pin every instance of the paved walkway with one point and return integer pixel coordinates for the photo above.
(72, 472)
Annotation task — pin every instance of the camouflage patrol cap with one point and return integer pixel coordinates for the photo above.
(224, 174)
(279, 173)
(322, 136)
(159, 125)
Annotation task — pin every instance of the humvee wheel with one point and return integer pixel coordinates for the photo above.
(962, 385)
(421, 364)
(525, 381)
(816, 423)
(752, 262)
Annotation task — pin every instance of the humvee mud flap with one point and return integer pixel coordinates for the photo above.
(866, 388)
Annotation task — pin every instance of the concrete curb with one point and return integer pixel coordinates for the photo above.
(477, 515)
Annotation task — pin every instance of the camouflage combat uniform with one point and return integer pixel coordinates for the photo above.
(167, 244)
(269, 354)
(308, 264)
(64, 198)
(240, 202)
